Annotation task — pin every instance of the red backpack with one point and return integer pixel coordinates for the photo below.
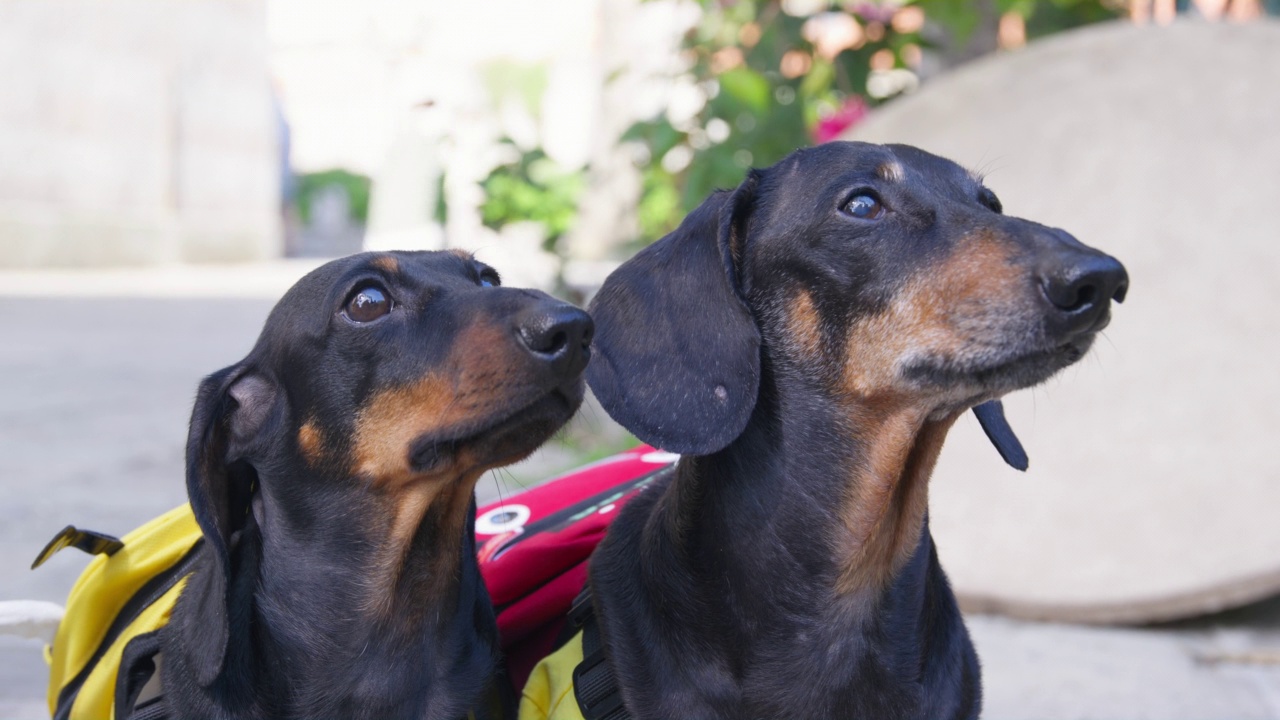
(534, 546)
(533, 550)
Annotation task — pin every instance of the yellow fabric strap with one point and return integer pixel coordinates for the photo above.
(548, 694)
(102, 591)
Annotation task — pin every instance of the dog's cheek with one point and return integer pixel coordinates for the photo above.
(877, 344)
(392, 419)
(967, 308)
(983, 286)
(311, 444)
(477, 382)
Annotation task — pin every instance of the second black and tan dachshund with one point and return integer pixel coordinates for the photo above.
(806, 341)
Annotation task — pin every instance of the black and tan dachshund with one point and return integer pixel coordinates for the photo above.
(331, 472)
(806, 341)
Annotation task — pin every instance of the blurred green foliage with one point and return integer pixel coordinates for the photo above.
(766, 77)
(356, 185)
(766, 88)
(534, 188)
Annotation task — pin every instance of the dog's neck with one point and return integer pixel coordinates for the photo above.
(804, 575)
(373, 610)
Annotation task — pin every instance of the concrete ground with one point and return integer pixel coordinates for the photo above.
(97, 373)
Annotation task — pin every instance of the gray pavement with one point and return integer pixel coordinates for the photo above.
(94, 397)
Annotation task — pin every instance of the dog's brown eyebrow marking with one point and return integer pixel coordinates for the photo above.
(388, 263)
(464, 254)
(890, 171)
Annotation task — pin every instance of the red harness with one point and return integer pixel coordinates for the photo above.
(535, 544)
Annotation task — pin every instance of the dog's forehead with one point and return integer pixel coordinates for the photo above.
(819, 166)
(418, 267)
(429, 267)
(306, 307)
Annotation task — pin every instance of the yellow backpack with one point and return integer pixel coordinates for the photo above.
(124, 596)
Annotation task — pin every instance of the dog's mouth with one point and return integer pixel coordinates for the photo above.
(990, 377)
(501, 441)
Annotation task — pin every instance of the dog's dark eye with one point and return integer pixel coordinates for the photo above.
(990, 201)
(864, 206)
(367, 304)
(489, 278)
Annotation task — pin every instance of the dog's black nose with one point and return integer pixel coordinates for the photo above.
(1081, 286)
(559, 334)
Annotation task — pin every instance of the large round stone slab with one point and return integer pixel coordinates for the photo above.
(1154, 488)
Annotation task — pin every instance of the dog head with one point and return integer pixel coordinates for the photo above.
(398, 376)
(880, 274)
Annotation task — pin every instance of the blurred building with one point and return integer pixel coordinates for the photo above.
(136, 132)
(427, 98)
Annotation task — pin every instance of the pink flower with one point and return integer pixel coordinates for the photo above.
(875, 12)
(833, 126)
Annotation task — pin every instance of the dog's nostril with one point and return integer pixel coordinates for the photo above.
(558, 341)
(544, 340)
(1070, 297)
(556, 332)
(1085, 283)
(1085, 295)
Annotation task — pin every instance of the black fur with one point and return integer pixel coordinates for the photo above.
(279, 619)
(719, 590)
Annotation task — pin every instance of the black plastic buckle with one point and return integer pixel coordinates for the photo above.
(590, 677)
(94, 543)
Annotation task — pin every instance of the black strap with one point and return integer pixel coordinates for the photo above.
(991, 418)
(157, 709)
(137, 666)
(94, 543)
(594, 686)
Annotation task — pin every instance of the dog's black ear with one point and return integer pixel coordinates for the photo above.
(231, 407)
(676, 355)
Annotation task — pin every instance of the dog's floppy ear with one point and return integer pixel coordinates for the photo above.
(676, 355)
(231, 407)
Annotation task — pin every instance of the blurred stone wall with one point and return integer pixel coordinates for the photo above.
(136, 132)
(1154, 478)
